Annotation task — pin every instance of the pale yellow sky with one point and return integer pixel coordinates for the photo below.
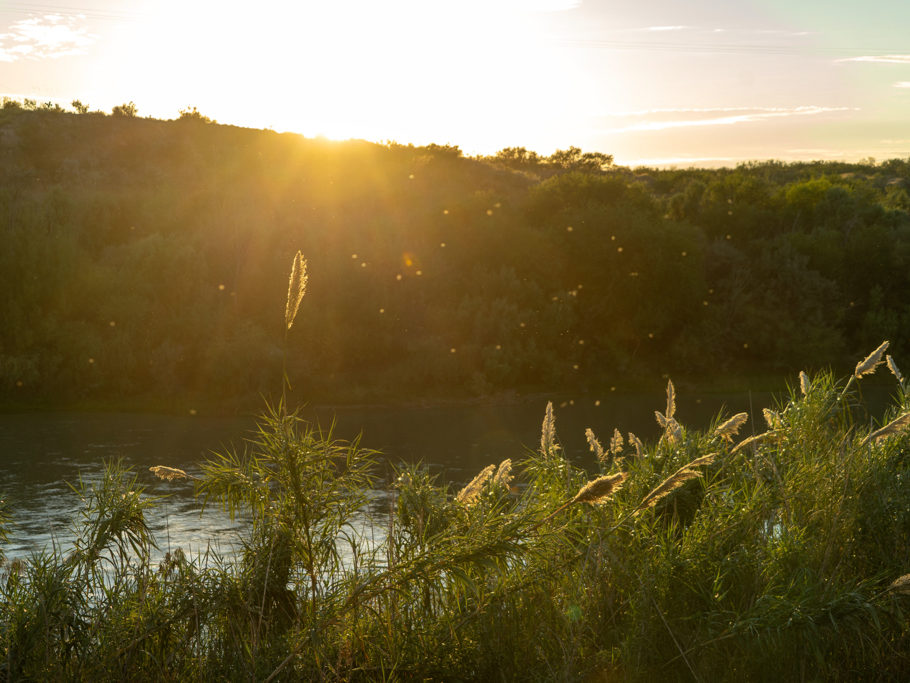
(708, 82)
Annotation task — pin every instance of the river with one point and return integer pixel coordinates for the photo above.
(41, 454)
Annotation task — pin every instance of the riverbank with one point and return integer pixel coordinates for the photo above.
(703, 553)
(253, 404)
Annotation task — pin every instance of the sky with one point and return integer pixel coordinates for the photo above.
(653, 82)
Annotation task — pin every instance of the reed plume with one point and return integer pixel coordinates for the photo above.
(616, 443)
(470, 493)
(869, 363)
(896, 426)
(700, 461)
(731, 427)
(674, 481)
(599, 490)
(636, 444)
(892, 366)
(170, 473)
(754, 440)
(671, 399)
(548, 431)
(804, 382)
(772, 418)
(674, 433)
(666, 487)
(595, 446)
(503, 474)
(900, 585)
(595, 491)
(296, 289)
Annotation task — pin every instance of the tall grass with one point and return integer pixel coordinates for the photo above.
(704, 556)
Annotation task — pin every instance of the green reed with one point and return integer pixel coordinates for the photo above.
(778, 553)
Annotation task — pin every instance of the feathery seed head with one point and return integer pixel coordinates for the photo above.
(671, 399)
(600, 489)
(674, 431)
(892, 366)
(731, 427)
(896, 426)
(869, 363)
(595, 446)
(773, 418)
(804, 382)
(168, 473)
(667, 486)
(702, 460)
(616, 443)
(296, 289)
(754, 440)
(548, 431)
(470, 493)
(503, 473)
(900, 585)
(636, 444)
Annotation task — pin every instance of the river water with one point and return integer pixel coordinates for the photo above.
(41, 454)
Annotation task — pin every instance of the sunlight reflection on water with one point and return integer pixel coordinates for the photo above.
(40, 453)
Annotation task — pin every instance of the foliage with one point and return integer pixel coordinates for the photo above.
(142, 260)
(781, 556)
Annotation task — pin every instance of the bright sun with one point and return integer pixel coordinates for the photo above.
(484, 77)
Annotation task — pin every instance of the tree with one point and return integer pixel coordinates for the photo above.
(126, 110)
(194, 115)
(573, 159)
(79, 107)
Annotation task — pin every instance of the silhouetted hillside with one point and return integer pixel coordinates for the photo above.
(146, 258)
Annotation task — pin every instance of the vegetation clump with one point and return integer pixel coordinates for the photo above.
(781, 556)
(142, 258)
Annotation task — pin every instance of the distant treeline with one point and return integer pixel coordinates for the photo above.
(149, 259)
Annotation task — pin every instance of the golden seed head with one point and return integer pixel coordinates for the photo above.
(671, 399)
(892, 366)
(896, 426)
(772, 418)
(754, 440)
(900, 585)
(731, 427)
(296, 289)
(470, 493)
(503, 473)
(168, 473)
(869, 363)
(616, 443)
(637, 444)
(667, 486)
(594, 445)
(548, 431)
(599, 490)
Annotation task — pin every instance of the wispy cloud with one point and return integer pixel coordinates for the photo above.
(47, 37)
(720, 29)
(662, 119)
(902, 84)
(879, 59)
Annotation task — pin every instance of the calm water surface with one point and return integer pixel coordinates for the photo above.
(41, 454)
